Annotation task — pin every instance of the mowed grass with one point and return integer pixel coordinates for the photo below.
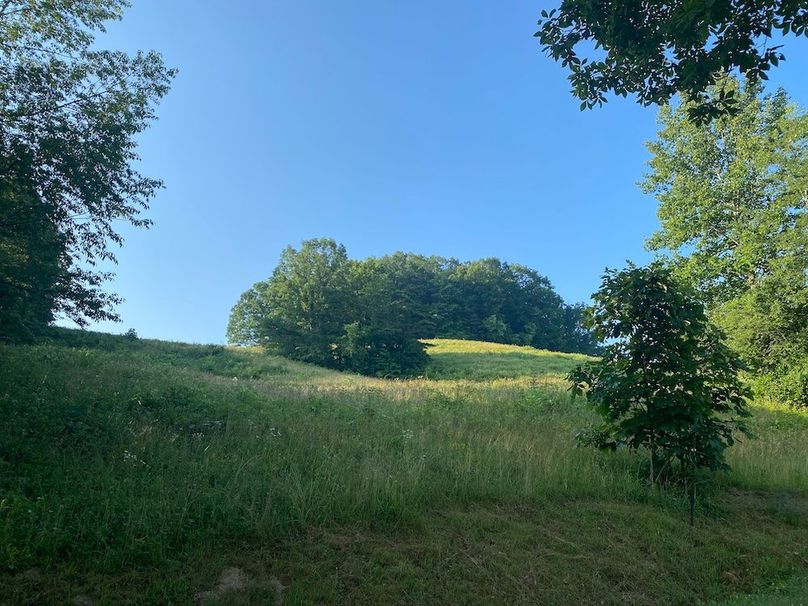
(134, 472)
(791, 592)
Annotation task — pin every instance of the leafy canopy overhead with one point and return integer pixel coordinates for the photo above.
(655, 49)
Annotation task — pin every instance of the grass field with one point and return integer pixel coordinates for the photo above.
(135, 472)
(480, 361)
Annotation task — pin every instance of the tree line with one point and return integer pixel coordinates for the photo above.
(368, 315)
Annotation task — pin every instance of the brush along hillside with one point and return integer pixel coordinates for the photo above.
(135, 472)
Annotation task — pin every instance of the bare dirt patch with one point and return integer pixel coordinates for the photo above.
(232, 579)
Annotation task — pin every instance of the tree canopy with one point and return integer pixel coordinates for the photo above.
(733, 196)
(319, 306)
(655, 49)
(69, 116)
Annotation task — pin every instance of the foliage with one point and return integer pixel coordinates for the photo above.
(654, 49)
(732, 207)
(489, 300)
(69, 118)
(174, 461)
(768, 325)
(382, 336)
(320, 307)
(666, 382)
(31, 255)
(307, 299)
(368, 315)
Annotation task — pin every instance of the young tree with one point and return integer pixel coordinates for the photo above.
(69, 116)
(655, 49)
(666, 382)
(733, 197)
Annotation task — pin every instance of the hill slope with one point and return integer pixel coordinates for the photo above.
(134, 472)
(478, 360)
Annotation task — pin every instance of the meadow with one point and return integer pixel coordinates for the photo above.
(135, 471)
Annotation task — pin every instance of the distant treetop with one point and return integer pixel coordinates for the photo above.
(320, 306)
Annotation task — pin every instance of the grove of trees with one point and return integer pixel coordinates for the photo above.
(368, 316)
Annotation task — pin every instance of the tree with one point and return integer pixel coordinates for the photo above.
(416, 282)
(245, 326)
(31, 252)
(490, 300)
(301, 311)
(578, 338)
(69, 115)
(480, 292)
(320, 307)
(383, 337)
(655, 49)
(535, 312)
(733, 197)
(768, 326)
(666, 382)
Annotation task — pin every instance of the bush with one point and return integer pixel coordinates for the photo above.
(789, 385)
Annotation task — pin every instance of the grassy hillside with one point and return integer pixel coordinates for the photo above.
(481, 361)
(135, 472)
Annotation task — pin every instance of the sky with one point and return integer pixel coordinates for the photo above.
(437, 128)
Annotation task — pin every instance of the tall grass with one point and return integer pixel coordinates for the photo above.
(138, 454)
(115, 453)
(776, 457)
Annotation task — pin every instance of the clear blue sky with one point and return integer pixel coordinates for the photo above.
(429, 127)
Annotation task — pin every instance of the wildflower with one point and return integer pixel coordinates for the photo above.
(130, 457)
